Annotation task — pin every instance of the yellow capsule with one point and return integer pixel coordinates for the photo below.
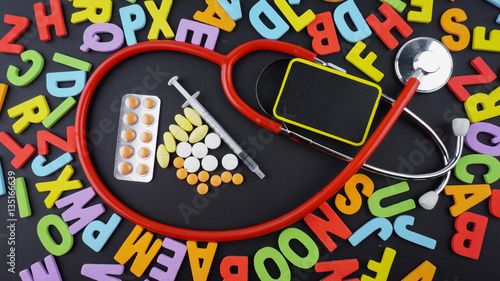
(198, 134)
(169, 142)
(178, 133)
(183, 123)
(162, 156)
(193, 116)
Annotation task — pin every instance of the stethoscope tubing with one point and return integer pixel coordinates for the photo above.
(226, 63)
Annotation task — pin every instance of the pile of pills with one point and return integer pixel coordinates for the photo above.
(190, 140)
(136, 140)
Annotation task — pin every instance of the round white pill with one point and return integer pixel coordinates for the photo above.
(184, 149)
(212, 141)
(230, 161)
(209, 163)
(200, 150)
(192, 164)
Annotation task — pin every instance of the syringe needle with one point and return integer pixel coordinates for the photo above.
(217, 128)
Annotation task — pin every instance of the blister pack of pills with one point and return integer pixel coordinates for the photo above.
(136, 139)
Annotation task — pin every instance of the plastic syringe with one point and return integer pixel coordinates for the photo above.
(196, 105)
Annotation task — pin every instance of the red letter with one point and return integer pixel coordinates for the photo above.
(45, 21)
(486, 75)
(20, 25)
(474, 237)
(383, 30)
(326, 35)
(44, 137)
(21, 154)
(321, 227)
(340, 268)
(241, 265)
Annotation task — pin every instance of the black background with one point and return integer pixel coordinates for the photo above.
(293, 173)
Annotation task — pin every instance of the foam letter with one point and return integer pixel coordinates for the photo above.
(233, 9)
(172, 264)
(467, 242)
(450, 24)
(59, 112)
(494, 204)
(72, 62)
(91, 8)
(199, 30)
(382, 268)
(298, 22)
(262, 8)
(78, 78)
(362, 30)
(370, 227)
(377, 210)
(20, 25)
(326, 35)
(340, 268)
(473, 143)
(424, 272)
(41, 170)
(353, 195)
(23, 202)
(45, 21)
(479, 42)
(240, 264)
(91, 41)
(58, 186)
(101, 272)
(481, 106)
(475, 194)
(21, 154)
(272, 254)
(491, 162)
(31, 74)
(44, 137)
(159, 19)
(425, 13)
(383, 30)
(40, 273)
(77, 201)
(103, 230)
(45, 237)
(3, 93)
(200, 259)
(132, 246)
(333, 225)
(366, 64)
(3, 189)
(31, 111)
(486, 75)
(215, 15)
(290, 234)
(400, 227)
(133, 19)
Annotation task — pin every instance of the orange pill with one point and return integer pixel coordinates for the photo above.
(141, 169)
(126, 151)
(148, 103)
(179, 162)
(147, 119)
(226, 177)
(192, 179)
(237, 179)
(132, 102)
(182, 173)
(202, 188)
(145, 137)
(215, 180)
(128, 135)
(125, 168)
(130, 118)
(203, 176)
(143, 152)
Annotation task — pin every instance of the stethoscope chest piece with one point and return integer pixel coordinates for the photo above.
(431, 57)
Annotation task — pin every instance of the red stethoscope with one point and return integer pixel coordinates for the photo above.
(423, 64)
